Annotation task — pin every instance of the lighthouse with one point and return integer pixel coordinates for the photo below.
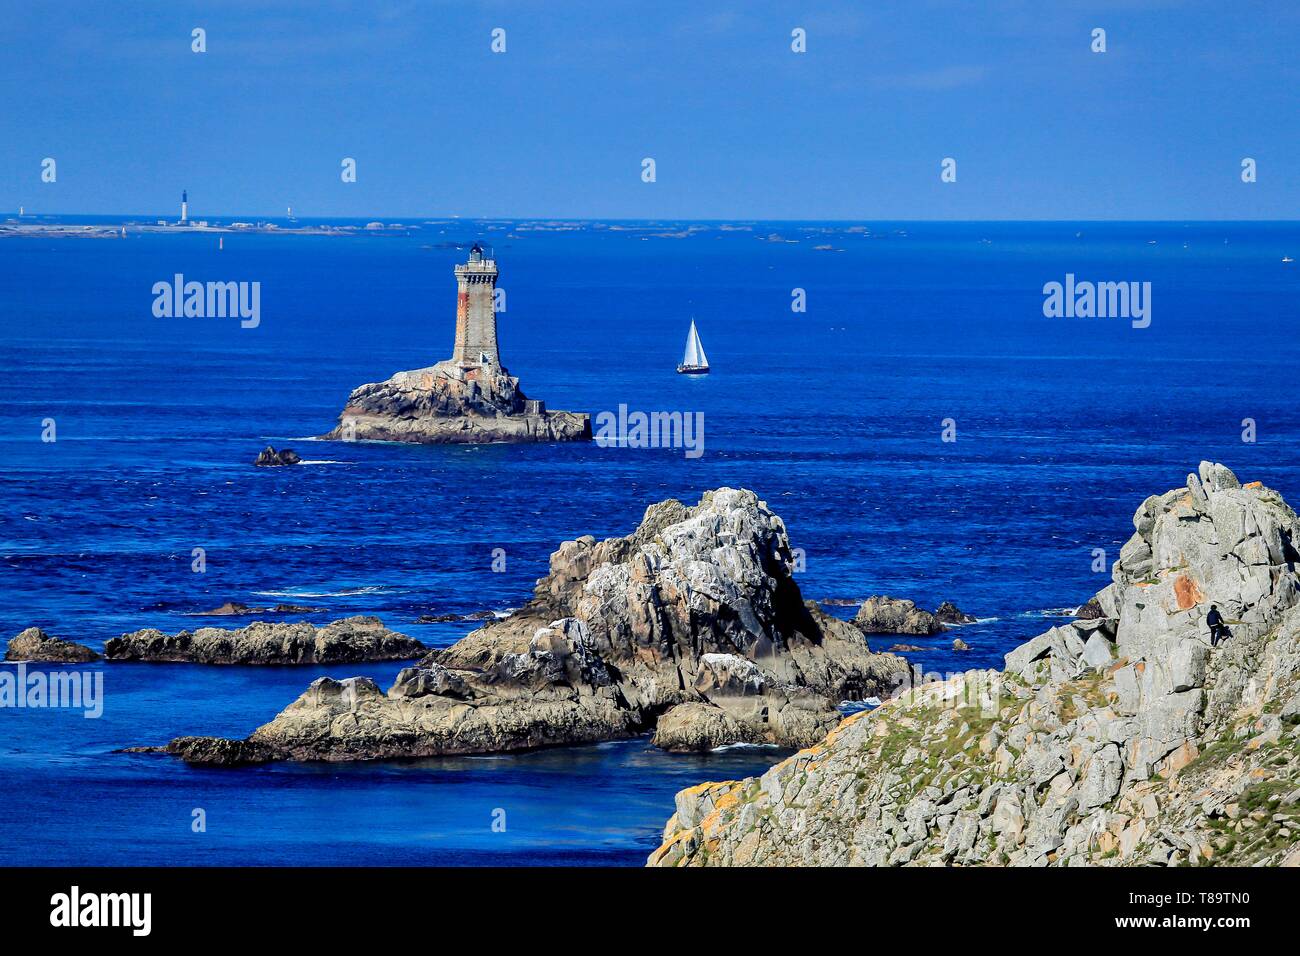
(185, 207)
(476, 317)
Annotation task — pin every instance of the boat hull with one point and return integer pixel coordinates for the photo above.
(692, 370)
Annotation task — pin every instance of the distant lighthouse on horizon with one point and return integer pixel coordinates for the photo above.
(185, 207)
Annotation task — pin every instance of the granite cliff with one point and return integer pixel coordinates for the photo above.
(691, 627)
(1122, 739)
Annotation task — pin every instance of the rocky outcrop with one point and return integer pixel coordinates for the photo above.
(270, 458)
(886, 615)
(691, 627)
(347, 641)
(34, 644)
(949, 613)
(450, 404)
(1124, 739)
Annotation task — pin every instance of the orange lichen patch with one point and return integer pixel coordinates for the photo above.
(727, 800)
(700, 789)
(1187, 592)
(821, 748)
(1144, 584)
(668, 844)
(1259, 773)
(1179, 759)
(1253, 484)
(1140, 667)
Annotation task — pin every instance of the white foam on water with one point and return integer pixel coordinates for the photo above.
(345, 592)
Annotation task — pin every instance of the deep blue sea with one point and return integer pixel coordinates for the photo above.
(834, 415)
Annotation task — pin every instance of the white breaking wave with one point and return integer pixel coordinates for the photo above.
(345, 592)
(1051, 612)
(857, 706)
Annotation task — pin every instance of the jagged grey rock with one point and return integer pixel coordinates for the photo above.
(692, 626)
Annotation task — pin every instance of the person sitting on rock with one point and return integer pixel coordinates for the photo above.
(1218, 630)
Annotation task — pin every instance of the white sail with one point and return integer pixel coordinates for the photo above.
(694, 357)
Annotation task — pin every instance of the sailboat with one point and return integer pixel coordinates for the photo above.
(694, 362)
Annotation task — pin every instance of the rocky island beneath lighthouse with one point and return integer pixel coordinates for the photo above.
(468, 399)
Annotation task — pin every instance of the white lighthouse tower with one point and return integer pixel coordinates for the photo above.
(185, 208)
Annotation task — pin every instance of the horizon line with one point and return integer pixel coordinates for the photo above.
(376, 217)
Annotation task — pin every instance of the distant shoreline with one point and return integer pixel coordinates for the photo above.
(14, 228)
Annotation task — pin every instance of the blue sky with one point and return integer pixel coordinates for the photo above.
(739, 125)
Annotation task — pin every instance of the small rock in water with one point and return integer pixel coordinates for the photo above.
(949, 613)
(33, 644)
(239, 609)
(959, 645)
(886, 615)
(270, 458)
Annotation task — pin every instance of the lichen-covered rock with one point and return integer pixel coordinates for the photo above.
(1123, 739)
(693, 623)
(452, 404)
(886, 615)
(347, 641)
(33, 644)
